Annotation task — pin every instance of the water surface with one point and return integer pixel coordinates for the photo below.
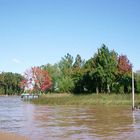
(69, 122)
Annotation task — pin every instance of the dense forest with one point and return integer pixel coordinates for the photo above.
(105, 72)
(9, 83)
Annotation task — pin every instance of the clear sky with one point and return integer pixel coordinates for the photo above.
(36, 32)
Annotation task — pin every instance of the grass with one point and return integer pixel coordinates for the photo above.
(89, 99)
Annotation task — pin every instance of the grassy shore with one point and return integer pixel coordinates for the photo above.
(89, 99)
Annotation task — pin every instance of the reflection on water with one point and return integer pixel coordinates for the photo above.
(68, 122)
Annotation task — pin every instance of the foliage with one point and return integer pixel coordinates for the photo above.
(9, 83)
(101, 70)
(65, 82)
(137, 82)
(65, 65)
(105, 72)
(105, 66)
(77, 74)
(124, 66)
(55, 75)
(37, 80)
(124, 70)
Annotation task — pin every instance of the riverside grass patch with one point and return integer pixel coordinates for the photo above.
(89, 99)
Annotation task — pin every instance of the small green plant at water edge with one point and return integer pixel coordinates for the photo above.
(68, 99)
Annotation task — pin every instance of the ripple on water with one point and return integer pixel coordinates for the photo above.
(68, 122)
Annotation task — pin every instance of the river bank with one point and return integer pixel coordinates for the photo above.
(11, 136)
(89, 99)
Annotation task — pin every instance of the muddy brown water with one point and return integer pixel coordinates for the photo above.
(68, 122)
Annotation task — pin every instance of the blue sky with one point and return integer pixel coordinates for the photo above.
(36, 32)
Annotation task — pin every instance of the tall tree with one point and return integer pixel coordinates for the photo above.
(77, 75)
(9, 83)
(124, 65)
(65, 82)
(137, 81)
(105, 62)
(66, 64)
(124, 73)
(78, 62)
(37, 79)
(55, 75)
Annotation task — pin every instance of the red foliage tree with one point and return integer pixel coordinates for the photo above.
(36, 79)
(41, 78)
(27, 82)
(124, 66)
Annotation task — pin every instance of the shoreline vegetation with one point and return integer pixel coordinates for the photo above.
(105, 72)
(89, 99)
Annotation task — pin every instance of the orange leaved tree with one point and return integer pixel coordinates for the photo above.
(36, 79)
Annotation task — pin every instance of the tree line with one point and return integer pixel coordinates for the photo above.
(9, 83)
(105, 72)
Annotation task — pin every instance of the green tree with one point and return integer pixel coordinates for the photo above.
(9, 83)
(65, 82)
(137, 81)
(65, 65)
(77, 74)
(105, 65)
(55, 75)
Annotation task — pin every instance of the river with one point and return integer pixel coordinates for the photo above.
(68, 122)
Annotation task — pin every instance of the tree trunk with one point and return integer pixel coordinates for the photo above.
(5, 90)
(97, 90)
(108, 88)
